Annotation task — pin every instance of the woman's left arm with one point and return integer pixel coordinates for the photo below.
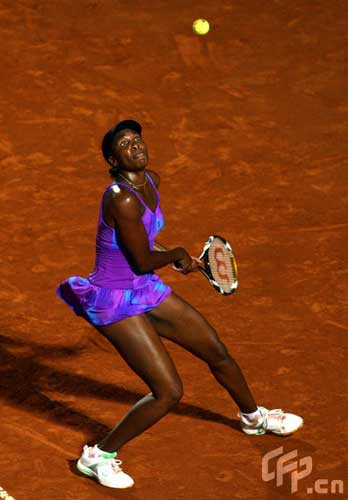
(156, 178)
(195, 262)
(160, 248)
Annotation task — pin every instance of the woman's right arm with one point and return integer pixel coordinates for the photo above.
(125, 209)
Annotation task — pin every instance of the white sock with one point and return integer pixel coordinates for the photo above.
(251, 418)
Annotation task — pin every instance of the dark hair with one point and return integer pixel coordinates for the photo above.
(113, 171)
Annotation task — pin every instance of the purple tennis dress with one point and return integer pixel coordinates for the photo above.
(113, 291)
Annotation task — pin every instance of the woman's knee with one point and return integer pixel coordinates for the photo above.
(217, 354)
(171, 393)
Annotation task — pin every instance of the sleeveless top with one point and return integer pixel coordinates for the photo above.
(111, 268)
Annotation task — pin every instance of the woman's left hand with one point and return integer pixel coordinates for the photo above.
(194, 266)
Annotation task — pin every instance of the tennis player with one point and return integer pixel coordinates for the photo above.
(131, 306)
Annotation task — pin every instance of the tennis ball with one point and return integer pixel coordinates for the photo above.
(200, 27)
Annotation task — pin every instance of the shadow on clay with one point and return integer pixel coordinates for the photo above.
(25, 378)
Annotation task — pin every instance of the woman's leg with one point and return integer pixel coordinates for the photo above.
(181, 323)
(140, 346)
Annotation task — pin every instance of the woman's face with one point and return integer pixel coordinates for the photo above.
(130, 151)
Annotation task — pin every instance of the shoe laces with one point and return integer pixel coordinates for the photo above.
(115, 464)
(277, 416)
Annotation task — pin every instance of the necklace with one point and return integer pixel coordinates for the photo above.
(135, 186)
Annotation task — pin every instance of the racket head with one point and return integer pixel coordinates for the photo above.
(220, 265)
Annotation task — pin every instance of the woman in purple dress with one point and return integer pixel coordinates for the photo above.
(131, 306)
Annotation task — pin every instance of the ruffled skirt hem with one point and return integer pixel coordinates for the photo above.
(103, 306)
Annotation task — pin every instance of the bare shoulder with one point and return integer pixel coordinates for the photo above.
(155, 177)
(123, 203)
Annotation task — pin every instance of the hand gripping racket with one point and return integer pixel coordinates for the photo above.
(220, 266)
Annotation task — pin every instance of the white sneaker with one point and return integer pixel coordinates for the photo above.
(104, 467)
(275, 421)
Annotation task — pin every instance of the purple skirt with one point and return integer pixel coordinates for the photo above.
(102, 306)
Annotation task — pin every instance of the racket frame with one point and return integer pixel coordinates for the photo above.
(206, 271)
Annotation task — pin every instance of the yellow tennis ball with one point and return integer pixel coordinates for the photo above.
(200, 27)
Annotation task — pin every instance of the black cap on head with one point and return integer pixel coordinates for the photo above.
(108, 140)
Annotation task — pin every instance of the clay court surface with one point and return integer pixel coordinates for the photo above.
(247, 128)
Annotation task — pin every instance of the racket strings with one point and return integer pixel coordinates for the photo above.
(222, 265)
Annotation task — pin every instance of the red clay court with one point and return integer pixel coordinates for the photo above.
(247, 127)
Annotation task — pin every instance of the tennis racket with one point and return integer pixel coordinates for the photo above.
(220, 266)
